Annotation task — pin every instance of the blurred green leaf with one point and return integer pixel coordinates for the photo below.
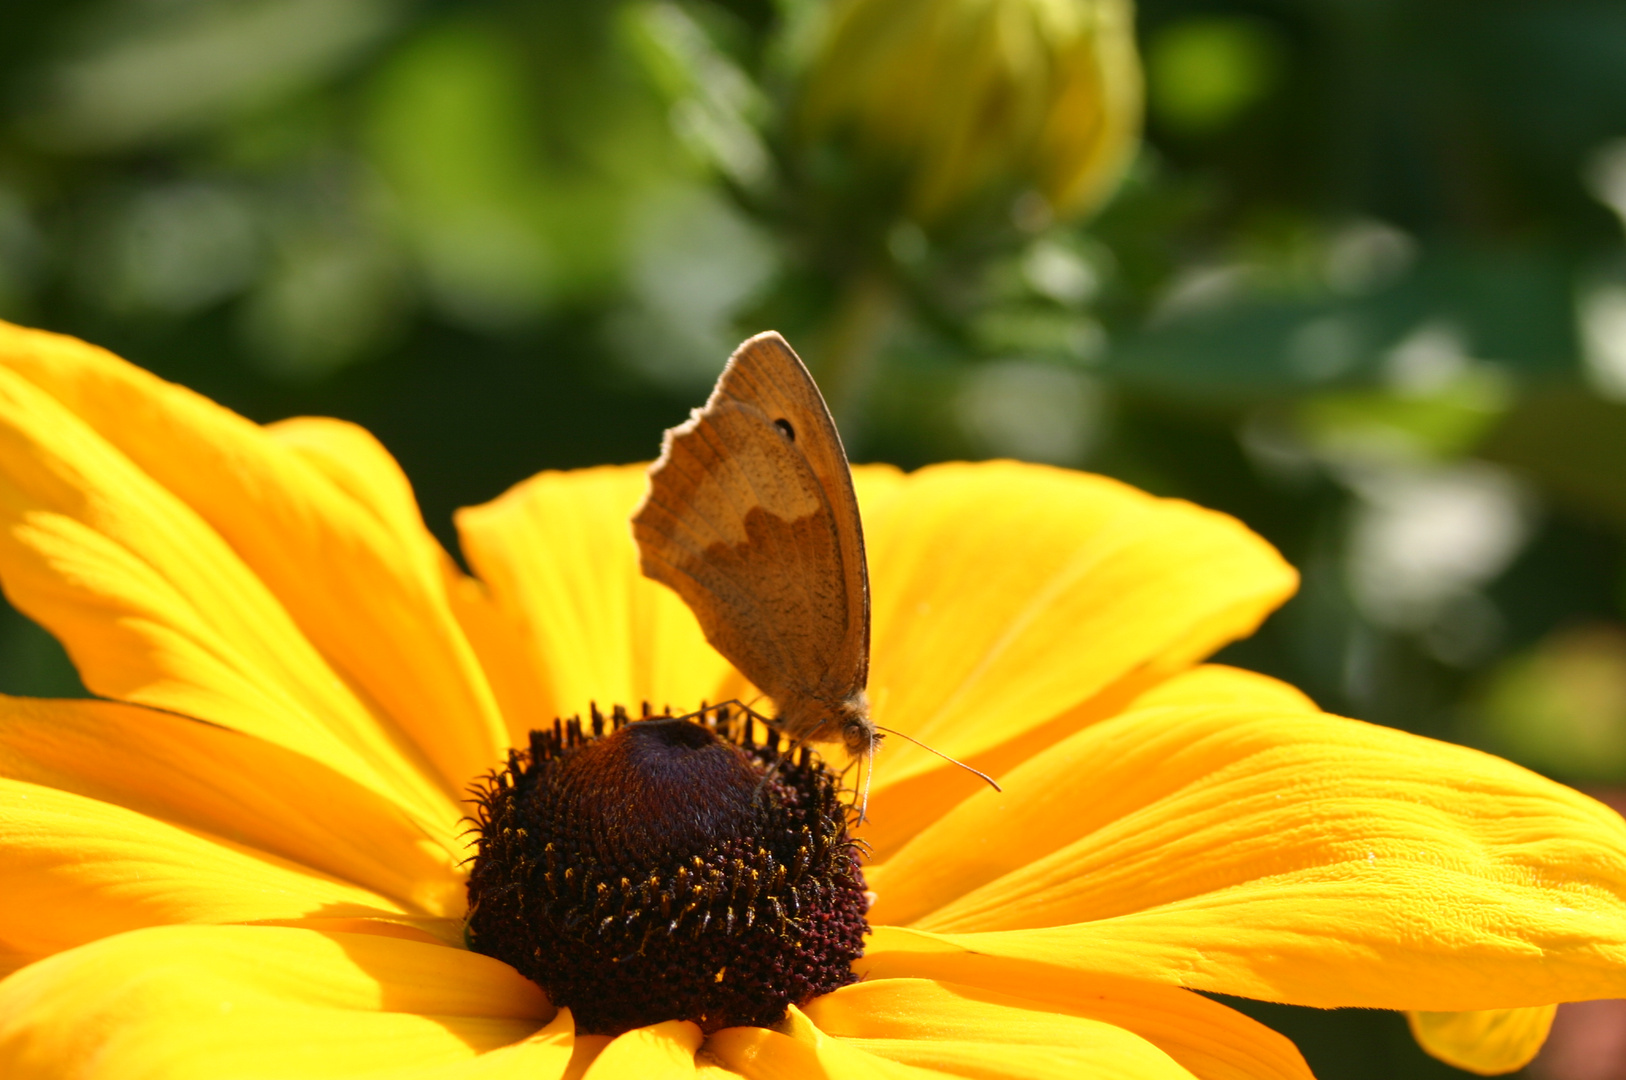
(716, 110)
(451, 131)
(1561, 707)
(170, 70)
(1442, 424)
(1574, 445)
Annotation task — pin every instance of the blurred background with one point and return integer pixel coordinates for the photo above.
(1361, 283)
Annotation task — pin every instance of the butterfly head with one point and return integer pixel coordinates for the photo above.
(858, 734)
(857, 731)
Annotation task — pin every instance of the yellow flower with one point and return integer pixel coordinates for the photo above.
(967, 99)
(246, 862)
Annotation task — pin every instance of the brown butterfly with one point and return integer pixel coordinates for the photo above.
(751, 518)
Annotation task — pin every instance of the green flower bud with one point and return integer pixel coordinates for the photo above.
(965, 100)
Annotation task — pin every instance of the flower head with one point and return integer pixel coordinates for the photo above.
(662, 867)
(967, 99)
(248, 858)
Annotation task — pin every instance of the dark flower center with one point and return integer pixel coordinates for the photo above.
(667, 869)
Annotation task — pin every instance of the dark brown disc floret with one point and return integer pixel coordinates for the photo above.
(667, 868)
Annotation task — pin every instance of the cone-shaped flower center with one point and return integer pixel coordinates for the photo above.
(667, 869)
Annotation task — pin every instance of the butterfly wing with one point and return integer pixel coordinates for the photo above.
(751, 518)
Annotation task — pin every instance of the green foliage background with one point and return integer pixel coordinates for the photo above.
(1364, 287)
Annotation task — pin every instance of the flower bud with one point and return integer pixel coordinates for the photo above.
(966, 100)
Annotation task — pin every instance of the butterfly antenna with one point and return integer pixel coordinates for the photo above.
(989, 780)
(869, 775)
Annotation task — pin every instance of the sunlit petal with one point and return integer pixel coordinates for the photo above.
(447, 680)
(313, 513)
(157, 609)
(213, 780)
(1490, 1042)
(547, 1054)
(1211, 1041)
(876, 486)
(1060, 795)
(74, 869)
(1291, 856)
(1007, 597)
(804, 1054)
(525, 701)
(557, 555)
(960, 1031)
(650, 1053)
(265, 1003)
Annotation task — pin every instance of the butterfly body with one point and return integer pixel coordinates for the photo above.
(751, 518)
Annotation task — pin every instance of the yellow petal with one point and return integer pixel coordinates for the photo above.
(525, 701)
(967, 1031)
(557, 554)
(876, 486)
(1206, 1038)
(1216, 684)
(804, 1054)
(451, 680)
(11, 959)
(649, 1053)
(364, 473)
(1049, 802)
(1487, 1043)
(200, 1003)
(315, 513)
(421, 928)
(1007, 596)
(545, 1054)
(73, 870)
(1289, 856)
(213, 780)
(155, 608)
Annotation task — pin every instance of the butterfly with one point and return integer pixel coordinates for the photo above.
(751, 518)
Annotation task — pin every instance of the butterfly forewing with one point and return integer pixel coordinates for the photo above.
(752, 520)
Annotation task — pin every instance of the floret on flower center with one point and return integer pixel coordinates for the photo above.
(667, 868)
